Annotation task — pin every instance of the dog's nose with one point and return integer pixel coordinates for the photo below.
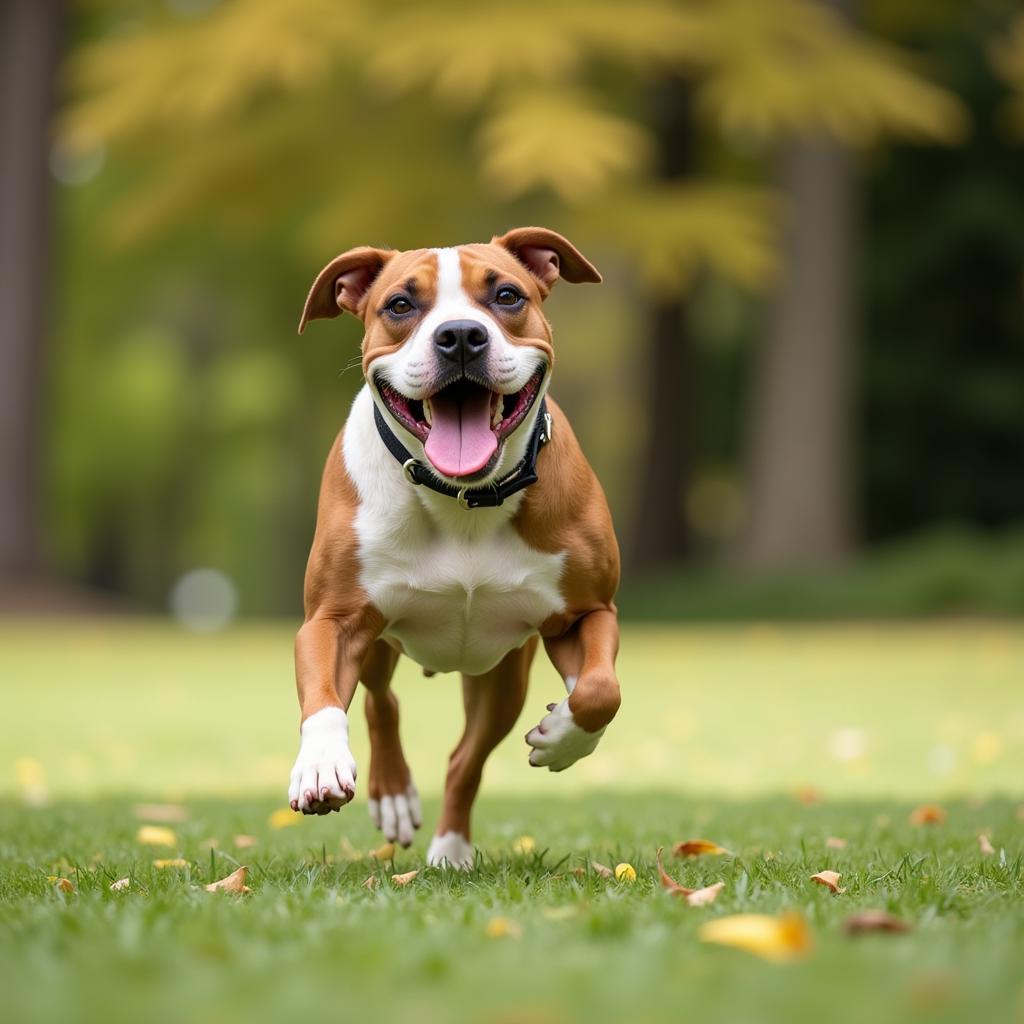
(461, 341)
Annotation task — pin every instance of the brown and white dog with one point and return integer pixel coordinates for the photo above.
(457, 358)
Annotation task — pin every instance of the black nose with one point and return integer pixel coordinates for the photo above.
(461, 341)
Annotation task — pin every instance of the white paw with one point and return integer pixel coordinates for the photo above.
(398, 816)
(324, 776)
(558, 741)
(450, 850)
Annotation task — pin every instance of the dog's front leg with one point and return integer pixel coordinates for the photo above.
(585, 657)
(329, 652)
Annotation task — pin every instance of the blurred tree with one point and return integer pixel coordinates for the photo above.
(30, 34)
(258, 113)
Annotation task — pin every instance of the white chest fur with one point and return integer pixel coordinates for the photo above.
(458, 589)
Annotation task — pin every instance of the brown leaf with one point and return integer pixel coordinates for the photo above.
(65, 885)
(668, 882)
(927, 814)
(829, 879)
(602, 869)
(985, 845)
(404, 879)
(235, 882)
(165, 814)
(873, 921)
(702, 897)
(698, 848)
(835, 843)
(372, 882)
(156, 835)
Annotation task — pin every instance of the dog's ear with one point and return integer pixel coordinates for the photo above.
(548, 256)
(342, 285)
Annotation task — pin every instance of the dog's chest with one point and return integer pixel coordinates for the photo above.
(458, 604)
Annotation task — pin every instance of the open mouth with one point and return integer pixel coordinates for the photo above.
(463, 424)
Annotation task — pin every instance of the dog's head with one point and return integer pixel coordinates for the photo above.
(457, 350)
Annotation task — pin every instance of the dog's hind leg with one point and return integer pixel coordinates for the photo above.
(394, 803)
(493, 702)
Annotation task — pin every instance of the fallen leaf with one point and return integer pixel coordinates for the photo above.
(579, 872)
(835, 843)
(525, 844)
(284, 817)
(404, 879)
(985, 845)
(385, 852)
(502, 928)
(171, 862)
(235, 882)
(372, 882)
(927, 814)
(808, 795)
(602, 870)
(65, 885)
(702, 897)
(348, 851)
(778, 939)
(829, 879)
(156, 835)
(120, 885)
(874, 921)
(245, 842)
(164, 813)
(667, 881)
(698, 848)
(625, 873)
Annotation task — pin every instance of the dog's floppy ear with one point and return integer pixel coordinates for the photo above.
(548, 256)
(342, 285)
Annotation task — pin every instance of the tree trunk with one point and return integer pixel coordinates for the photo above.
(661, 536)
(29, 36)
(799, 449)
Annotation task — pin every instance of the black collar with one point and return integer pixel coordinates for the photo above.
(521, 475)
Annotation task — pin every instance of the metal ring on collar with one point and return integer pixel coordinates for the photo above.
(407, 467)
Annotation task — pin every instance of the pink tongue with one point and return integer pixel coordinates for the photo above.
(461, 441)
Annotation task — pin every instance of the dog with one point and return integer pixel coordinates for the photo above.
(458, 524)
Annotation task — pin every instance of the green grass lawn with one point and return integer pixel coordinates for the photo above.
(719, 728)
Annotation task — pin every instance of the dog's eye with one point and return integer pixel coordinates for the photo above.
(399, 306)
(507, 296)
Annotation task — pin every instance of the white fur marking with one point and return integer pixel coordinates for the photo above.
(450, 850)
(458, 589)
(324, 762)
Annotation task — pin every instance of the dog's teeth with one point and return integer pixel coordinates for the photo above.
(427, 415)
(496, 416)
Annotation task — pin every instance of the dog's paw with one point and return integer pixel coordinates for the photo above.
(398, 815)
(324, 776)
(450, 850)
(558, 741)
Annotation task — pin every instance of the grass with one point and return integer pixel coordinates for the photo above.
(719, 727)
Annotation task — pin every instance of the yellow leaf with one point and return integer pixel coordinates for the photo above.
(284, 817)
(156, 835)
(778, 939)
(63, 884)
(829, 879)
(698, 848)
(625, 873)
(503, 928)
(404, 879)
(524, 844)
(385, 852)
(235, 882)
(172, 862)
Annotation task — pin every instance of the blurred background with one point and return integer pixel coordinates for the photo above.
(802, 383)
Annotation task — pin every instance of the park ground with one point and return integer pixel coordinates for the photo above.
(772, 741)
